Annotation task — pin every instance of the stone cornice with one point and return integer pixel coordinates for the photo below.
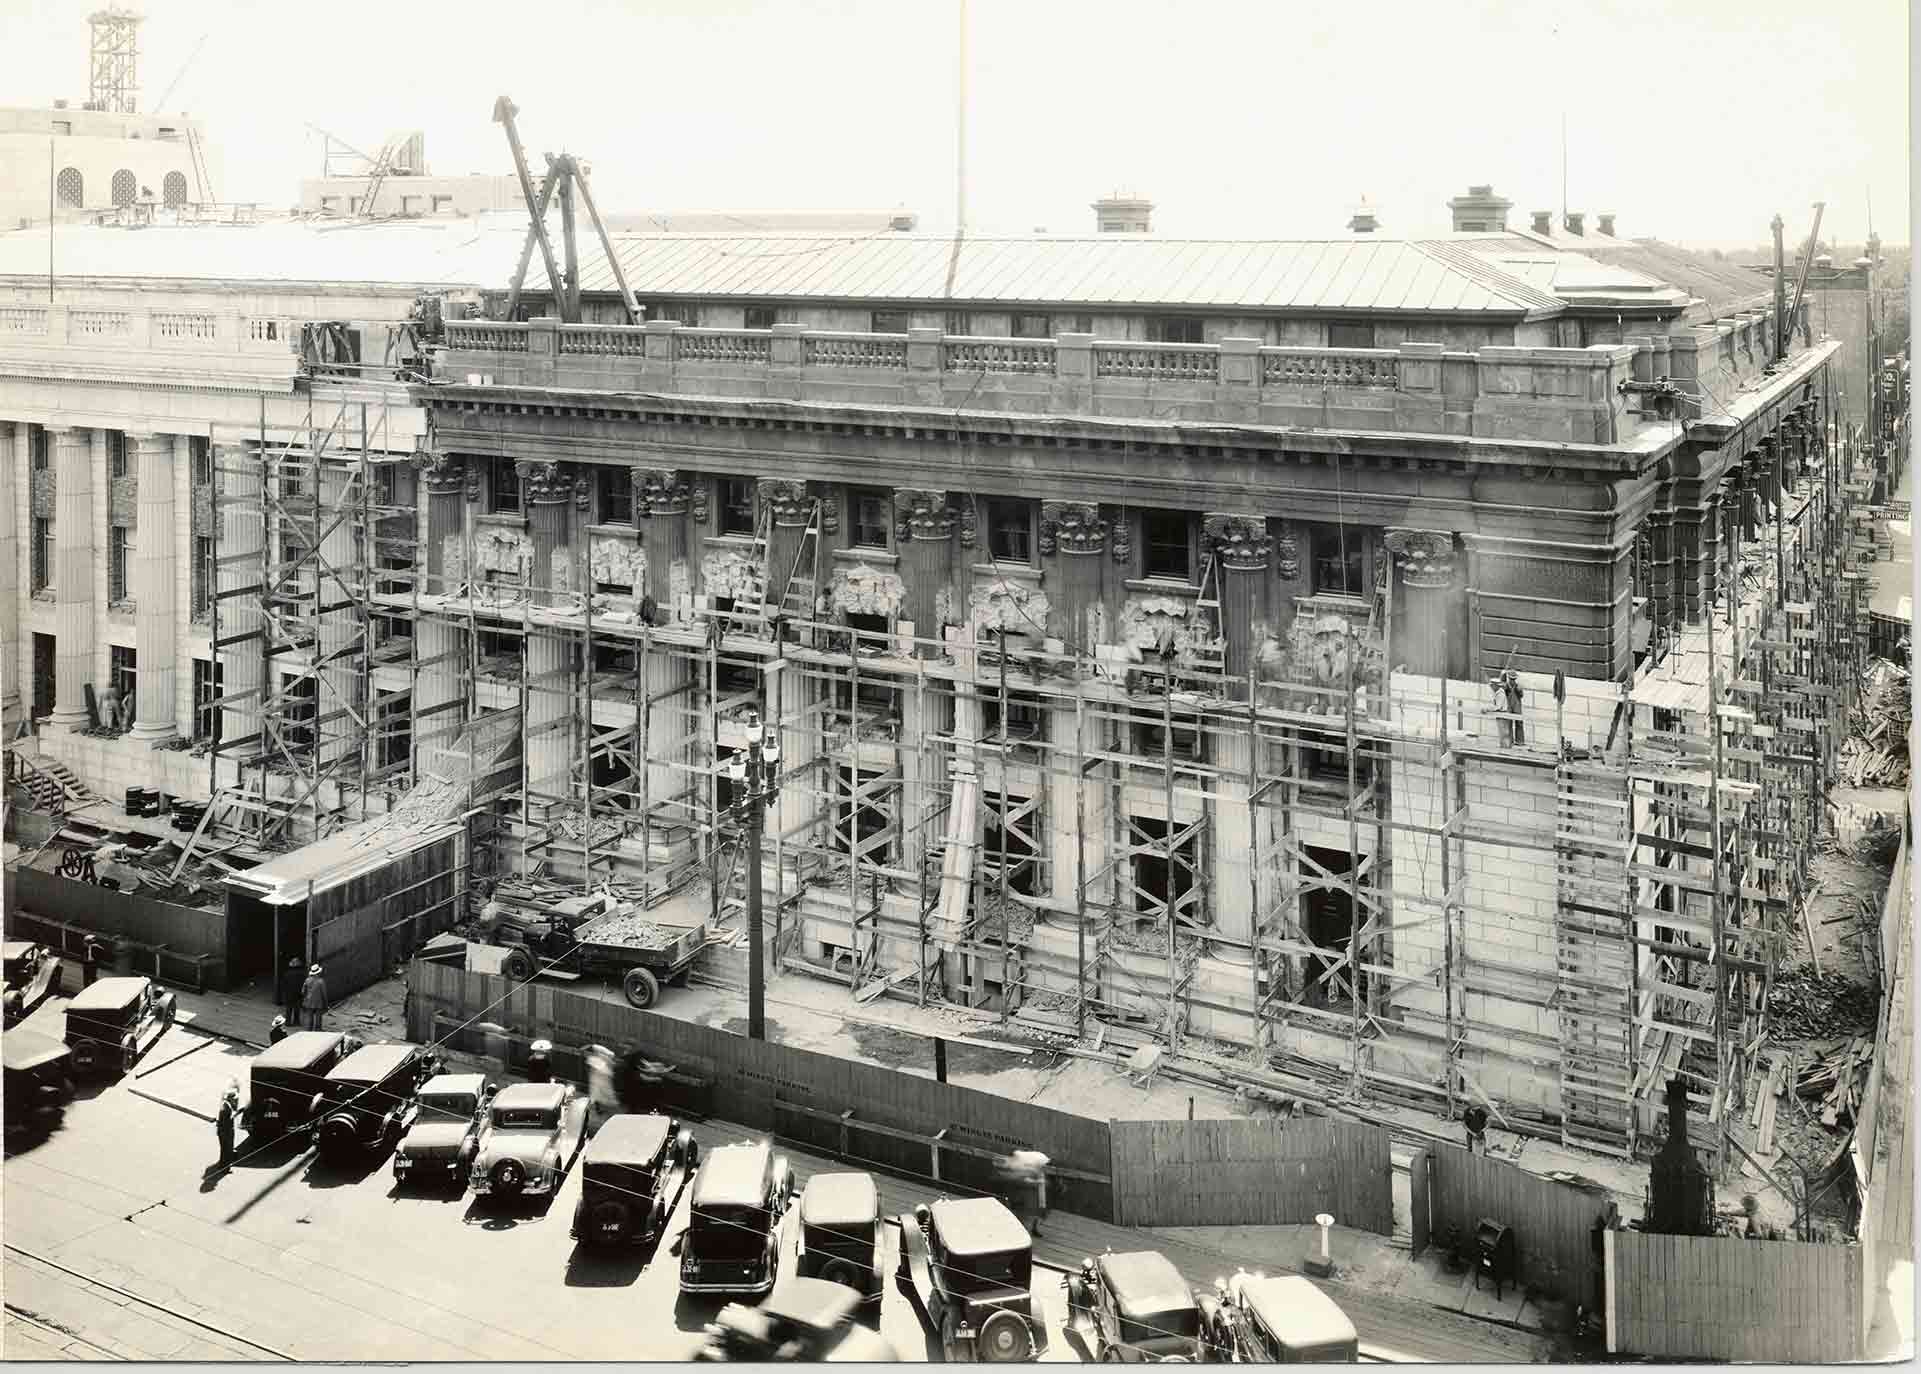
(172, 379)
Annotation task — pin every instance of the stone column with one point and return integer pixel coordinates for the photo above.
(1241, 547)
(1072, 539)
(240, 486)
(925, 524)
(155, 630)
(340, 688)
(791, 506)
(1713, 512)
(442, 483)
(13, 476)
(1426, 560)
(665, 498)
(72, 574)
(1661, 588)
(548, 489)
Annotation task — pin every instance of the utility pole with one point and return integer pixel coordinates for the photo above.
(1780, 292)
(756, 781)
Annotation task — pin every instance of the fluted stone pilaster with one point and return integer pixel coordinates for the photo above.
(13, 474)
(341, 688)
(72, 574)
(240, 485)
(153, 587)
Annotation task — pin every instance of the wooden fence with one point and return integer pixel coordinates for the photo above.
(1552, 1223)
(901, 1122)
(180, 944)
(1722, 1298)
(1239, 1172)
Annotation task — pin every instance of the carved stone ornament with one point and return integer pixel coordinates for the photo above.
(1072, 527)
(731, 572)
(441, 474)
(969, 524)
(1123, 544)
(699, 488)
(501, 551)
(473, 482)
(830, 503)
(789, 502)
(1426, 556)
(1013, 608)
(1148, 622)
(922, 514)
(867, 590)
(583, 492)
(1239, 541)
(545, 483)
(663, 491)
(619, 561)
(1287, 554)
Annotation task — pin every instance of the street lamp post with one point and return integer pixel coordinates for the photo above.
(756, 783)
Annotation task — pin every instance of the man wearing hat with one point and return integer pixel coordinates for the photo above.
(291, 978)
(224, 1122)
(313, 997)
(540, 1067)
(277, 1031)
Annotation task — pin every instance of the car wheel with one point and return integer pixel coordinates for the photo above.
(335, 1137)
(607, 1222)
(1005, 1339)
(846, 1274)
(519, 966)
(127, 1058)
(641, 987)
(509, 1177)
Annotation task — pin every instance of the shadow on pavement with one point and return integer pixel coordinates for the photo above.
(607, 1266)
(500, 1214)
(347, 1171)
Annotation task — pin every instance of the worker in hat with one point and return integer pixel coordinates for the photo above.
(539, 1067)
(223, 1124)
(313, 997)
(277, 1031)
(291, 977)
(1026, 1171)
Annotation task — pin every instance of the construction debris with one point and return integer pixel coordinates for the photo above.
(1838, 1079)
(1806, 1004)
(1875, 754)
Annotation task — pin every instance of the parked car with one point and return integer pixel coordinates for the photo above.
(802, 1319)
(840, 1232)
(1255, 1319)
(733, 1232)
(38, 1083)
(111, 1024)
(449, 1124)
(1135, 1308)
(625, 1178)
(969, 1264)
(284, 1079)
(533, 1132)
(32, 975)
(367, 1100)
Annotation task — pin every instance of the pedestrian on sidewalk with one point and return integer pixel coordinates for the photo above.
(223, 1124)
(601, 1102)
(540, 1068)
(92, 955)
(277, 1031)
(291, 978)
(313, 997)
(1026, 1171)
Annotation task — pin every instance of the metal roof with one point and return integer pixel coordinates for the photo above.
(371, 1064)
(1116, 270)
(23, 1049)
(1146, 1283)
(840, 1200)
(1296, 1311)
(630, 1138)
(734, 1176)
(301, 1050)
(530, 1097)
(323, 865)
(978, 1226)
(109, 994)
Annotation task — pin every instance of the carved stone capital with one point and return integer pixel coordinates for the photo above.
(1072, 527)
(1239, 541)
(583, 491)
(1287, 553)
(1123, 545)
(663, 491)
(441, 474)
(700, 487)
(545, 484)
(830, 503)
(1425, 556)
(969, 524)
(920, 513)
(789, 502)
(475, 482)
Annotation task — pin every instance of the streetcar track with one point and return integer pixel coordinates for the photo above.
(20, 1314)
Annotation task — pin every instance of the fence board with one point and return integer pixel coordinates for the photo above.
(1721, 1298)
(1418, 1170)
(184, 931)
(1252, 1172)
(1553, 1223)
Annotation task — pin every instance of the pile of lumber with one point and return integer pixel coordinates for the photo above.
(1837, 1080)
(1875, 754)
(1862, 764)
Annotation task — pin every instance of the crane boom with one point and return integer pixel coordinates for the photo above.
(527, 244)
(1807, 261)
(607, 247)
(504, 111)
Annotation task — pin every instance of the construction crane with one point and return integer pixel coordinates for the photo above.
(1807, 261)
(566, 180)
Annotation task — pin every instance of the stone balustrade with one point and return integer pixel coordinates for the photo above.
(45, 329)
(1562, 395)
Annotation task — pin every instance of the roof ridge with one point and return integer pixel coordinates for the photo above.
(1486, 273)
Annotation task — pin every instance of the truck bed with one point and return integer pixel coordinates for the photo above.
(632, 932)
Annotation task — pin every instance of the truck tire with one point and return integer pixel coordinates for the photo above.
(603, 1216)
(641, 987)
(519, 966)
(1005, 1339)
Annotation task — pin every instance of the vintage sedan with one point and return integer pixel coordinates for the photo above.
(732, 1243)
(969, 1263)
(37, 1082)
(32, 976)
(111, 1024)
(367, 1100)
(840, 1232)
(450, 1122)
(1135, 1308)
(808, 1320)
(533, 1132)
(1283, 1320)
(627, 1179)
(283, 1079)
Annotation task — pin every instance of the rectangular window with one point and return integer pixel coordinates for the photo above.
(200, 449)
(680, 312)
(890, 322)
(206, 690)
(410, 205)
(737, 505)
(616, 495)
(1010, 530)
(300, 704)
(869, 517)
(1031, 327)
(441, 203)
(123, 672)
(396, 730)
(1340, 560)
(1175, 329)
(42, 553)
(37, 447)
(761, 317)
(63, 128)
(959, 322)
(1074, 324)
(116, 455)
(503, 486)
(202, 576)
(117, 555)
(330, 203)
(1344, 335)
(1167, 545)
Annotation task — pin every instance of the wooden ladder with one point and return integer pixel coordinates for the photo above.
(803, 578)
(1594, 959)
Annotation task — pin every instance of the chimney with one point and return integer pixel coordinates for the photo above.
(1574, 219)
(1480, 211)
(1364, 220)
(1123, 213)
(1544, 221)
(1605, 223)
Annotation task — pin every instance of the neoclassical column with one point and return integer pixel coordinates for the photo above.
(925, 525)
(72, 574)
(666, 497)
(159, 537)
(1073, 536)
(666, 510)
(1426, 560)
(1658, 528)
(1713, 512)
(13, 475)
(442, 484)
(341, 687)
(790, 506)
(240, 496)
(548, 489)
(1241, 548)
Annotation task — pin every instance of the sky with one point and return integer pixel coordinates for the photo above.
(1692, 122)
